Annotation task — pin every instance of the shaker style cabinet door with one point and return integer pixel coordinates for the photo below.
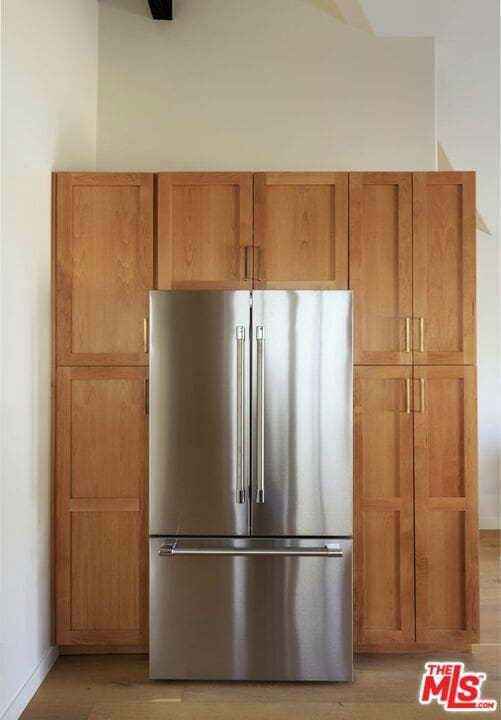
(384, 507)
(204, 230)
(444, 268)
(381, 267)
(447, 602)
(101, 507)
(301, 230)
(104, 267)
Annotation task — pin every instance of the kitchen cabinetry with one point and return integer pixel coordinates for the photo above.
(415, 423)
(204, 230)
(103, 256)
(383, 505)
(101, 508)
(410, 261)
(104, 266)
(301, 230)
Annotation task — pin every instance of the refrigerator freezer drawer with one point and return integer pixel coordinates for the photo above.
(251, 609)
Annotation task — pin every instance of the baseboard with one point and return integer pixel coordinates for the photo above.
(31, 685)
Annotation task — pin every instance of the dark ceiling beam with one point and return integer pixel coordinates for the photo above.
(161, 9)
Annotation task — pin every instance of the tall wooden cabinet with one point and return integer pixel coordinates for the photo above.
(103, 273)
(412, 271)
(405, 244)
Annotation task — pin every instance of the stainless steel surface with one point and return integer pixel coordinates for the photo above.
(407, 395)
(193, 412)
(407, 334)
(240, 338)
(260, 414)
(307, 413)
(183, 547)
(251, 618)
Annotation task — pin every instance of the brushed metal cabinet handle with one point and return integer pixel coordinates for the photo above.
(240, 488)
(407, 334)
(260, 414)
(146, 335)
(407, 396)
(421, 334)
(146, 396)
(422, 395)
(247, 275)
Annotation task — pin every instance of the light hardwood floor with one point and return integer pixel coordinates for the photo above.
(116, 687)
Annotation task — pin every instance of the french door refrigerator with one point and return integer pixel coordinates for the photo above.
(250, 485)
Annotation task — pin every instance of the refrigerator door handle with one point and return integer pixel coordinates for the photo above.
(260, 414)
(240, 484)
(328, 550)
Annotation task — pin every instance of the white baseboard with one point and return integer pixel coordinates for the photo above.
(31, 685)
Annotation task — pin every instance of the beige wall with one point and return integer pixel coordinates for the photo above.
(467, 56)
(261, 84)
(49, 96)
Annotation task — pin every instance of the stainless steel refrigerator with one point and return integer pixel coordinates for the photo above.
(251, 485)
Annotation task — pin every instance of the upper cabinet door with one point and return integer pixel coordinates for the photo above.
(444, 268)
(204, 230)
(381, 267)
(301, 230)
(104, 267)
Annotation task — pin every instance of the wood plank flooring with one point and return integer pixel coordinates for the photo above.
(116, 687)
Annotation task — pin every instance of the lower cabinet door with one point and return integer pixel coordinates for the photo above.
(384, 506)
(101, 549)
(447, 593)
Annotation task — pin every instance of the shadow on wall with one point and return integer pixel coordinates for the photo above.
(443, 163)
(133, 7)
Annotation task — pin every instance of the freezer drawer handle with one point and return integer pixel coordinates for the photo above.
(328, 550)
(260, 414)
(240, 336)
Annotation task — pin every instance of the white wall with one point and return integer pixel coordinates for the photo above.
(467, 57)
(49, 96)
(261, 84)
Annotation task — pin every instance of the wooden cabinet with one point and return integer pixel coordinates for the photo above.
(381, 267)
(301, 230)
(104, 267)
(444, 268)
(101, 506)
(447, 602)
(412, 271)
(204, 230)
(412, 268)
(104, 271)
(384, 506)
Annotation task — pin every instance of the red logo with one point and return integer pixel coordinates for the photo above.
(453, 688)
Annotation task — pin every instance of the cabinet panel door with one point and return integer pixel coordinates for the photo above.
(381, 267)
(383, 500)
(104, 259)
(204, 230)
(301, 230)
(444, 268)
(446, 505)
(101, 506)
